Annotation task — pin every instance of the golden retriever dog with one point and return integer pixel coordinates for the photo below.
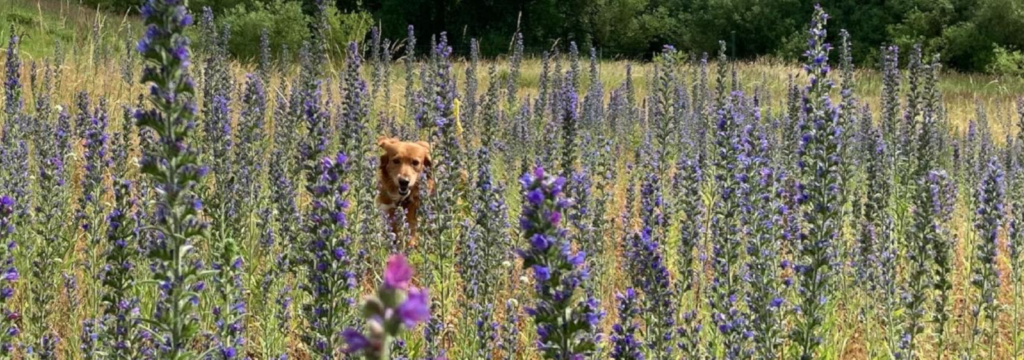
(399, 180)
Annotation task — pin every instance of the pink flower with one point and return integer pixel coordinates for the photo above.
(398, 273)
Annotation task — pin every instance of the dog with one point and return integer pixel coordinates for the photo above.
(399, 180)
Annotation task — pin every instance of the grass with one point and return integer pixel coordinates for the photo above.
(43, 22)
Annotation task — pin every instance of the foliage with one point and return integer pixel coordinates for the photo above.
(735, 216)
(288, 26)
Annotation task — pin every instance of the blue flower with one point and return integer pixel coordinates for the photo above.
(541, 273)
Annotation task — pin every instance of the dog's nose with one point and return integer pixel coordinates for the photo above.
(403, 183)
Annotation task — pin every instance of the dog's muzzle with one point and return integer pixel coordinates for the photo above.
(403, 187)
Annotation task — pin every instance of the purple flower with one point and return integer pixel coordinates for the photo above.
(11, 274)
(541, 273)
(535, 197)
(355, 340)
(398, 273)
(416, 308)
(540, 242)
(555, 217)
(558, 271)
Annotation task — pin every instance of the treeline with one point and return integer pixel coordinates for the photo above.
(971, 35)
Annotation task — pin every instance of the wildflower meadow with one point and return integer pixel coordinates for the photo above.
(160, 199)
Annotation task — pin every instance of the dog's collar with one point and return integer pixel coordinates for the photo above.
(405, 200)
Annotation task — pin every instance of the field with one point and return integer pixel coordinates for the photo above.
(710, 209)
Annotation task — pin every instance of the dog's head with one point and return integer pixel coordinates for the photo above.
(403, 162)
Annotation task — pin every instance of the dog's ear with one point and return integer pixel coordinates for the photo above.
(426, 160)
(384, 159)
(428, 166)
(428, 170)
(385, 141)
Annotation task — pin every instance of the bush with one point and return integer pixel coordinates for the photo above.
(288, 26)
(21, 19)
(345, 28)
(1007, 62)
(284, 20)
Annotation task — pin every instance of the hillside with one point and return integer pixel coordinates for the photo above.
(41, 24)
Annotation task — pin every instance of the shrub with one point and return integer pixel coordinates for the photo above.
(283, 20)
(345, 28)
(1009, 62)
(288, 26)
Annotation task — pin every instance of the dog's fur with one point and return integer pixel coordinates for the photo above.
(403, 162)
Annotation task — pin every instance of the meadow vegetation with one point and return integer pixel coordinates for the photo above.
(161, 199)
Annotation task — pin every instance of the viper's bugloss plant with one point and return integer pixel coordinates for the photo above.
(491, 221)
(218, 86)
(376, 71)
(984, 269)
(121, 338)
(565, 320)
(486, 330)
(316, 120)
(581, 215)
(12, 81)
(820, 159)
(43, 91)
(541, 109)
(410, 72)
(509, 343)
(51, 212)
(96, 160)
(731, 164)
(574, 67)
(847, 113)
(172, 166)
(8, 276)
(264, 65)
(249, 154)
(555, 83)
(396, 305)
(440, 210)
(440, 118)
(890, 97)
(469, 98)
(943, 195)
(874, 205)
(625, 338)
(477, 271)
(593, 103)
(928, 240)
(490, 112)
(329, 259)
(230, 311)
(662, 119)
(354, 132)
(515, 61)
(686, 184)
(568, 113)
(286, 212)
(765, 297)
(651, 275)
(1015, 232)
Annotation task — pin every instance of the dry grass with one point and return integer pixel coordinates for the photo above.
(963, 94)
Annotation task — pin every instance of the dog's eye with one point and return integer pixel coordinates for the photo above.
(396, 161)
(415, 163)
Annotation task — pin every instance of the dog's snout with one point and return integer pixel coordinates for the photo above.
(403, 183)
